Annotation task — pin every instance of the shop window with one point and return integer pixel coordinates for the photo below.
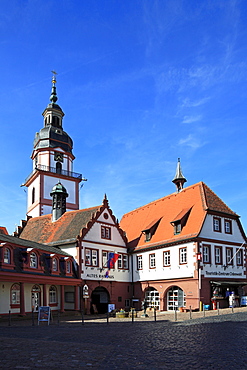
(15, 295)
(152, 298)
(33, 260)
(182, 256)
(218, 255)
(105, 232)
(206, 253)
(217, 224)
(52, 295)
(166, 259)
(152, 263)
(228, 226)
(7, 256)
(139, 262)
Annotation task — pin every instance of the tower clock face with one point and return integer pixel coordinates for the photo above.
(58, 156)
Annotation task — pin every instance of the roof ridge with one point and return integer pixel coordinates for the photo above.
(209, 206)
(166, 196)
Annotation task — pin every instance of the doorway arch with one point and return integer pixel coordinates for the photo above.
(152, 297)
(175, 298)
(100, 298)
(35, 298)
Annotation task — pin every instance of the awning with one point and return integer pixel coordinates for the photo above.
(229, 283)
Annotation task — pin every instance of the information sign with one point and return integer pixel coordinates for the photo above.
(44, 314)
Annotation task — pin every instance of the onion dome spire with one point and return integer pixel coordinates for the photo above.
(53, 97)
(179, 178)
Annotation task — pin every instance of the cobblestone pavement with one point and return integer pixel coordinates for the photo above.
(211, 342)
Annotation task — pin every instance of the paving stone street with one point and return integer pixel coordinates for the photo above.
(211, 342)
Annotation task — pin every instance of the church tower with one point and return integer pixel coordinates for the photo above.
(52, 162)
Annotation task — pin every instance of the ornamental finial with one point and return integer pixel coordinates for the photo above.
(54, 73)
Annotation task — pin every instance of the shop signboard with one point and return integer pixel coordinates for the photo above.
(44, 314)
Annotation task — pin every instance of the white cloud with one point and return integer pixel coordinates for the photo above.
(192, 142)
(191, 119)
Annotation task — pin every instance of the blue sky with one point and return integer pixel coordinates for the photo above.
(141, 82)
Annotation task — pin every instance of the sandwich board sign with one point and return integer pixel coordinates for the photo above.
(44, 314)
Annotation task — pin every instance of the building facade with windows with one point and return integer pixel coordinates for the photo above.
(186, 248)
(33, 275)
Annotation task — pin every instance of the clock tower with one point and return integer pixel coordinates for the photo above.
(52, 162)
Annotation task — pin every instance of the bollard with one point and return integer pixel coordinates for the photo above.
(9, 318)
(190, 313)
(203, 310)
(232, 309)
(175, 314)
(132, 315)
(32, 316)
(218, 307)
(154, 313)
(58, 317)
(107, 317)
(82, 317)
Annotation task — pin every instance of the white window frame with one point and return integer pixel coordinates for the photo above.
(206, 253)
(229, 255)
(105, 232)
(125, 261)
(218, 255)
(120, 261)
(239, 257)
(7, 256)
(152, 262)
(33, 260)
(183, 255)
(52, 295)
(139, 262)
(166, 258)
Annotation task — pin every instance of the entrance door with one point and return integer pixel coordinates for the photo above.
(152, 297)
(35, 298)
(175, 299)
(100, 299)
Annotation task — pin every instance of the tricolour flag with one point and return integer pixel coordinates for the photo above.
(112, 258)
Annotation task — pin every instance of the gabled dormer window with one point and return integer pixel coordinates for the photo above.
(180, 221)
(150, 230)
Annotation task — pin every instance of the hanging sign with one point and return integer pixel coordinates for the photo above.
(85, 293)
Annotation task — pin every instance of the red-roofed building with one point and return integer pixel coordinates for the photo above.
(186, 248)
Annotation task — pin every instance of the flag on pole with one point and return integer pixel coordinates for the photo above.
(112, 258)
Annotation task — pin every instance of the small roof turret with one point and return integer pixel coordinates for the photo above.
(179, 178)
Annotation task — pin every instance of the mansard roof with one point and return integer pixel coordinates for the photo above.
(193, 202)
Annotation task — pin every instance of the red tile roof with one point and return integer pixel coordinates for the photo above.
(66, 228)
(199, 198)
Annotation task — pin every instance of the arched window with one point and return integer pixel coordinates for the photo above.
(55, 264)
(7, 256)
(15, 294)
(52, 295)
(33, 260)
(58, 167)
